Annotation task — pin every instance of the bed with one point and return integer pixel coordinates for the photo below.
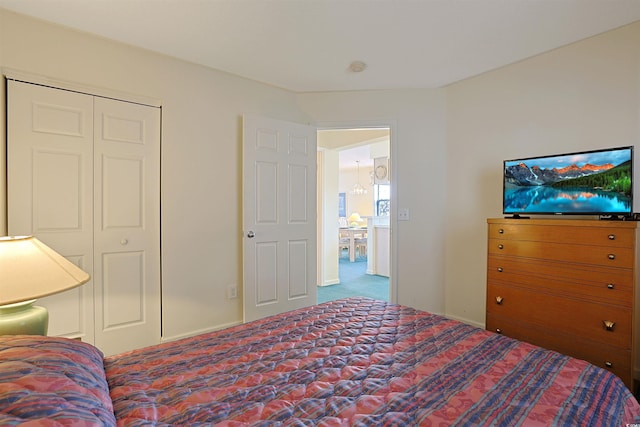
(351, 362)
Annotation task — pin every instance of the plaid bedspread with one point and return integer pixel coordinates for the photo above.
(361, 362)
(48, 381)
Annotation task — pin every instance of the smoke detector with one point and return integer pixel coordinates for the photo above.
(357, 66)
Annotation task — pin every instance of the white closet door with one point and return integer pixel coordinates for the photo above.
(84, 177)
(50, 189)
(127, 225)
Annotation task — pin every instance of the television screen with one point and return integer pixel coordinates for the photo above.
(595, 182)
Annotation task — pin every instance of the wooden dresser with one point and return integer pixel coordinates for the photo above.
(567, 285)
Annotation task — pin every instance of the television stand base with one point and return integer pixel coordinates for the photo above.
(630, 217)
(516, 216)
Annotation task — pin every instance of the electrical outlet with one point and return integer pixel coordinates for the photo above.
(232, 291)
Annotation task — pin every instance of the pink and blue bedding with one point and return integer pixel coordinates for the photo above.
(352, 362)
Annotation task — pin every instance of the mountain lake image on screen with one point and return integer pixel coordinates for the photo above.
(595, 182)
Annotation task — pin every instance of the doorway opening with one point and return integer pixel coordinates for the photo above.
(354, 207)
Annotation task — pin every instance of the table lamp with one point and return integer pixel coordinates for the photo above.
(29, 269)
(355, 219)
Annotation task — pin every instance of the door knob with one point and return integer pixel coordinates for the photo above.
(251, 234)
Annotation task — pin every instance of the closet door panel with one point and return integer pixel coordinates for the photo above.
(123, 280)
(66, 310)
(127, 225)
(50, 188)
(123, 269)
(57, 185)
(123, 185)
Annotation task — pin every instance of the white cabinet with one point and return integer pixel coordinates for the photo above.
(84, 177)
(378, 246)
(381, 255)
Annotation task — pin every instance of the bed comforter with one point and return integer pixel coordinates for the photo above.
(352, 362)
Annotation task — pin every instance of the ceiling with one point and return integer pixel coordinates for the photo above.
(307, 45)
(351, 158)
(353, 145)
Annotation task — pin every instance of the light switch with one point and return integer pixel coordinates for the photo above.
(403, 214)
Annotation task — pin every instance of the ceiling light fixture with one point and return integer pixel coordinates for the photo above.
(358, 190)
(357, 66)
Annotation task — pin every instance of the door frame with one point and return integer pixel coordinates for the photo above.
(371, 124)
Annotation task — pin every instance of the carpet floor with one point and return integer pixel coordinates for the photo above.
(354, 281)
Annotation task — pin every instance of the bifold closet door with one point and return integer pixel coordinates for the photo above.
(126, 225)
(50, 189)
(84, 177)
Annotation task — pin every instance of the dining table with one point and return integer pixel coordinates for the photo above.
(352, 233)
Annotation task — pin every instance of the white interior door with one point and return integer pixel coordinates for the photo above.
(50, 189)
(279, 216)
(84, 177)
(126, 225)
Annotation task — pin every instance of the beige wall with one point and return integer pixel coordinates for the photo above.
(201, 154)
(583, 96)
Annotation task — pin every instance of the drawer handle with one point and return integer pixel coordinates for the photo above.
(609, 325)
(500, 246)
(499, 300)
(501, 231)
(500, 270)
(608, 364)
(612, 237)
(612, 256)
(498, 330)
(610, 286)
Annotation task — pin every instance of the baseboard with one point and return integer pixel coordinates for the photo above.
(467, 321)
(199, 332)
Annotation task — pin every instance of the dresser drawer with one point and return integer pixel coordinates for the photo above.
(562, 315)
(598, 284)
(567, 252)
(611, 358)
(599, 236)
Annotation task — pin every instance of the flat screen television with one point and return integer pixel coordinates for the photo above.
(598, 182)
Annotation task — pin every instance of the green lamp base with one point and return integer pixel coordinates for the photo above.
(23, 318)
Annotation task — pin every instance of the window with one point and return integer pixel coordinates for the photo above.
(382, 199)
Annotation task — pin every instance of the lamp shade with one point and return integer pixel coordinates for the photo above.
(355, 217)
(29, 269)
